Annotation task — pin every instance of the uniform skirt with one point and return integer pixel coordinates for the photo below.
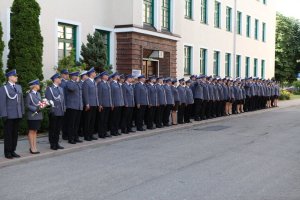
(34, 124)
(175, 107)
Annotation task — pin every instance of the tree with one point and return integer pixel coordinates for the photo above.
(287, 48)
(26, 43)
(94, 52)
(2, 79)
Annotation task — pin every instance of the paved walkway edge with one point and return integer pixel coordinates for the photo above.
(137, 135)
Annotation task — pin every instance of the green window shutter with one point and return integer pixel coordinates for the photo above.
(227, 64)
(217, 14)
(165, 11)
(148, 11)
(187, 60)
(228, 19)
(248, 31)
(203, 11)
(263, 65)
(264, 32)
(239, 23)
(203, 61)
(188, 9)
(106, 40)
(216, 63)
(247, 67)
(255, 67)
(238, 66)
(256, 29)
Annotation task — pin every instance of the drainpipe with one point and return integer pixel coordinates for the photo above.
(234, 38)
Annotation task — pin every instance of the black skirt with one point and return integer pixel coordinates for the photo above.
(34, 125)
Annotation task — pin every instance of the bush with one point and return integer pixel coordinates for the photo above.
(2, 79)
(285, 95)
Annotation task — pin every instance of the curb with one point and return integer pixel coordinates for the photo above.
(132, 136)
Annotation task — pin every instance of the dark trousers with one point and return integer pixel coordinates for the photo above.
(166, 115)
(150, 113)
(115, 120)
(103, 121)
(89, 122)
(203, 111)
(140, 113)
(188, 113)
(11, 135)
(180, 114)
(159, 112)
(81, 125)
(126, 121)
(73, 121)
(197, 111)
(55, 126)
(65, 127)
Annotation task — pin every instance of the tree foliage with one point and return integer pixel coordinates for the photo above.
(287, 48)
(94, 52)
(1, 55)
(26, 43)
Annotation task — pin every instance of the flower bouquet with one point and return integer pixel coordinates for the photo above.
(44, 104)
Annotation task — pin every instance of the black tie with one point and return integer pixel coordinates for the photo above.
(15, 88)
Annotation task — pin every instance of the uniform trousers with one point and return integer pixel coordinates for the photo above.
(115, 120)
(166, 115)
(150, 114)
(140, 113)
(159, 112)
(203, 111)
(10, 135)
(55, 126)
(103, 122)
(126, 121)
(181, 110)
(188, 113)
(89, 122)
(197, 111)
(73, 121)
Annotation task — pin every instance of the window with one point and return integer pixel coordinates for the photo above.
(227, 64)
(187, 60)
(247, 68)
(263, 65)
(228, 19)
(248, 31)
(255, 67)
(216, 63)
(188, 9)
(106, 40)
(239, 23)
(217, 14)
(148, 12)
(263, 32)
(238, 66)
(256, 29)
(165, 11)
(203, 11)
(66, 39)
(265, 2)
(203, 56)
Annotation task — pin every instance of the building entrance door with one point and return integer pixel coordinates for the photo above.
(150, 67)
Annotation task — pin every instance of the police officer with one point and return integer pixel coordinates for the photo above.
(176, 100)
(117, 103)
(183, 100)
(141, 100)
(162, 102)
(152, 96)
(189, 102)
(55, 94)
(83, 77)
(105, 105)
(129, 104)
(170, 101)
(198, 98)
(64, 74)
(91, 103)
(11, 111)
(74, 105)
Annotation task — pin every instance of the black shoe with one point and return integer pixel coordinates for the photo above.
(72, 142)
(65, 138)
(15, 155)
(150, 128)
(131, 131)
(87, 139)
(140, 129)
(8, 156)
(78, 141)
(94, 138)
(108, 135)
(59, 147)
(37, 152)
(53, 147)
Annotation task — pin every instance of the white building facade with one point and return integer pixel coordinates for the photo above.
(175, 38)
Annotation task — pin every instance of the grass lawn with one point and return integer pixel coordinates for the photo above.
(293, 96)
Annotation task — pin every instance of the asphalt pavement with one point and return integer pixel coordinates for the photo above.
(249, 157)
